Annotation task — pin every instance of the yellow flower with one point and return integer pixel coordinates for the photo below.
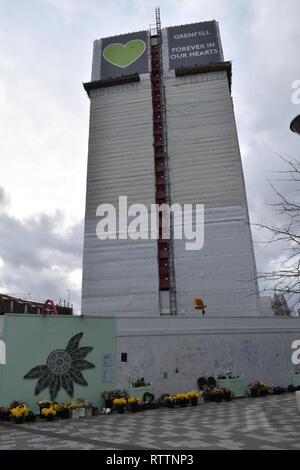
(19, 411)
(119, 401)
(172, 398)
(181, 396)
(49, 411)
(218, 391)
(133, 400)
(193, 394)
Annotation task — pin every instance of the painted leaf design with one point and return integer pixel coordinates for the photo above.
(67, 384)
(43, 383)
(73, 343)
(36, 372)
(80, 353)
(78, 377)
(81, 364)
(54, 386)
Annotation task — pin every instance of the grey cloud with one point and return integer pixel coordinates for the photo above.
(34, 243)
(35, 258)
(3, 199)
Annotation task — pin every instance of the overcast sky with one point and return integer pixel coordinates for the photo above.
(45, 55)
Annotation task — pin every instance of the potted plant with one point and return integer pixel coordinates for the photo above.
(134, 403)
(82, 404)
(182, 399)
(139, 389)
(263, 389)
(154, 405)
(120, 403)
(75, 407)
(140, 383)
(258, 388)
(108, 397)
(43, 404)
(64, 411)
(49, 413)
(217, 395)
(253, 387)
(227, 394)
(5, 413)
(162, 399)
(170, 401)
(194, 397)
(88, 409)
(95, 411)
(19, 413)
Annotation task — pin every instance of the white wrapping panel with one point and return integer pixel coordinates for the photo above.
(205, 162)
(120, 276)
(205, 168)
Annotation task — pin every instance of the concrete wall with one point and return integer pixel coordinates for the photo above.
(266, 306)
(184, 348)
(188, 348)
(120, 277)
(205, 168)
(29, 341)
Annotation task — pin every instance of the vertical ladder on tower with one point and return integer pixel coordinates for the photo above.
(163, 192)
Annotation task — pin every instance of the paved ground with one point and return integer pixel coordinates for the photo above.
(262, 423)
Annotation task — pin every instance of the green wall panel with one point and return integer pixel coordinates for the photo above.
(29, 341)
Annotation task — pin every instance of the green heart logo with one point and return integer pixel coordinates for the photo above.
(123, 55)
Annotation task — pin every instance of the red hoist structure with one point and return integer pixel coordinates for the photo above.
(163, 196)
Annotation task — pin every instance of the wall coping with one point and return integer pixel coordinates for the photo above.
(149, 326)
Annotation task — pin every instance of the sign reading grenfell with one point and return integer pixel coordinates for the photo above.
(124, 55)
(194, 44)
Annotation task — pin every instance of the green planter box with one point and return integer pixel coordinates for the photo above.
(296, 379)
(237, 385)
(139, 391)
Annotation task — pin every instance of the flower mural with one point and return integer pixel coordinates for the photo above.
(62, 369)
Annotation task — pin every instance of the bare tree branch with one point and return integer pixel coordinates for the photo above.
(285, 280)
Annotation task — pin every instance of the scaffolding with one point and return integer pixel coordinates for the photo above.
(167, 281)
